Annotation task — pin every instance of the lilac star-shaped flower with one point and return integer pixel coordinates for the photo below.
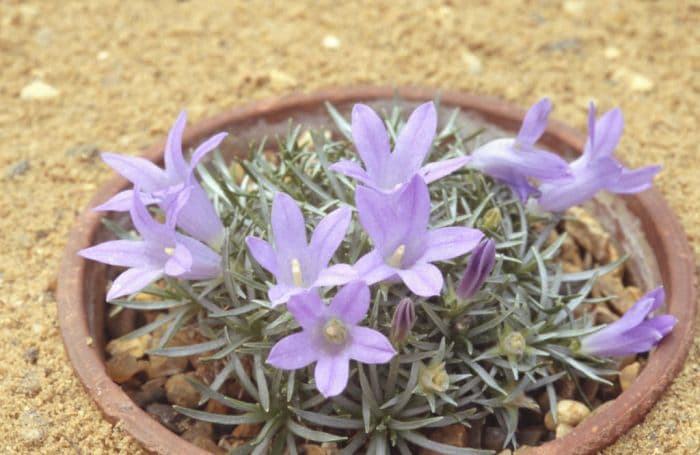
(198, 216)
(163, 251)
(403, 246)
(331, 337)
(386, 171)
(297, 265)
(513, 161)
(596, 169)
(633, 332)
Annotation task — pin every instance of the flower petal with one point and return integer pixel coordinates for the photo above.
(535, 122)
(369, 346)
(206, 263)
(288, 226)
(132, 280)
(175, 164)
(308, 309)
(439, 169)
(293, 352)
(371, 268)
(336, 275)
(351, 303)
(415, 139)
(125, 253)
(281, 293)
(331, 374)
(608, 130)
(634, 181)
(263, 253)
(180, 261)
(449, 242)
(203, 149)
(422, 279)
(121, 202)
(199, 218)
(328, 235)
(371, 139)
(352, 170)
(139, 171)
(151, 230)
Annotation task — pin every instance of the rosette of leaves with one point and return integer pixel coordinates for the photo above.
(464, 360)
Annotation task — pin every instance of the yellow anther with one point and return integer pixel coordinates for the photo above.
(396, 258)
(296, 273)
(169, 250)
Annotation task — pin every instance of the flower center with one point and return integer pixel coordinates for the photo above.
(396, 258)
(434, 378)
(169, 250)
(296, 273)
(335, 331)
(514, 344)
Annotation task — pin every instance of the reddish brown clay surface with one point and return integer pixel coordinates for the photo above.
(81, 283)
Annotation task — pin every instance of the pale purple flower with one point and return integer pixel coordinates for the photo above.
(297, 265)
(513, 161)
(198, 216)
(403, 320)
(403, 246)
(331, 337)
(386, 171)
(162, 251)
(633, 333)
(479, 268)
(596, 169)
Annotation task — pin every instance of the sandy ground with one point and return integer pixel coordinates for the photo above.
(119, 73)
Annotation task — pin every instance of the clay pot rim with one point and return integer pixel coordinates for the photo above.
(664, 232)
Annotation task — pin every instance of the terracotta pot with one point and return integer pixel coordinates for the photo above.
(81, 285)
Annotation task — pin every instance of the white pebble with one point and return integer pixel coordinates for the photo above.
(38, 90)
(473, 62)
(330, 42)
(102, 55)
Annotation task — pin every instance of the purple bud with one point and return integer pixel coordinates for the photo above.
(403, 320)
(478, 269)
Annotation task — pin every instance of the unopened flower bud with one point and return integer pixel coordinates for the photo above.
(478, 269)
(403, 320)
(514, 344)
(433, 378)
(491, 219)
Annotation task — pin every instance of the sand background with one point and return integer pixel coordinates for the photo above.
(121, 71)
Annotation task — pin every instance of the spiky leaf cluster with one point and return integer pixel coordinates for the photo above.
(463, 360)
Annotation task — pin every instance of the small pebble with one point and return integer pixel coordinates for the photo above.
(571, 412)
(38, 90)
(179, 391)
(136, 347)
(493, 438)
(455, 435)
(472, 62)
(246, 430)
(33, 426)
(30, 384)
(123, 367)
(19, 168)
(574, 7)
(611, 53)
(102, 55)
(165, 366)
(628, 374)
(562, 430)
(330, 42)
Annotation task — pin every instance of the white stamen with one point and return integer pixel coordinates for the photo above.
(396, 258)
(296, 273)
